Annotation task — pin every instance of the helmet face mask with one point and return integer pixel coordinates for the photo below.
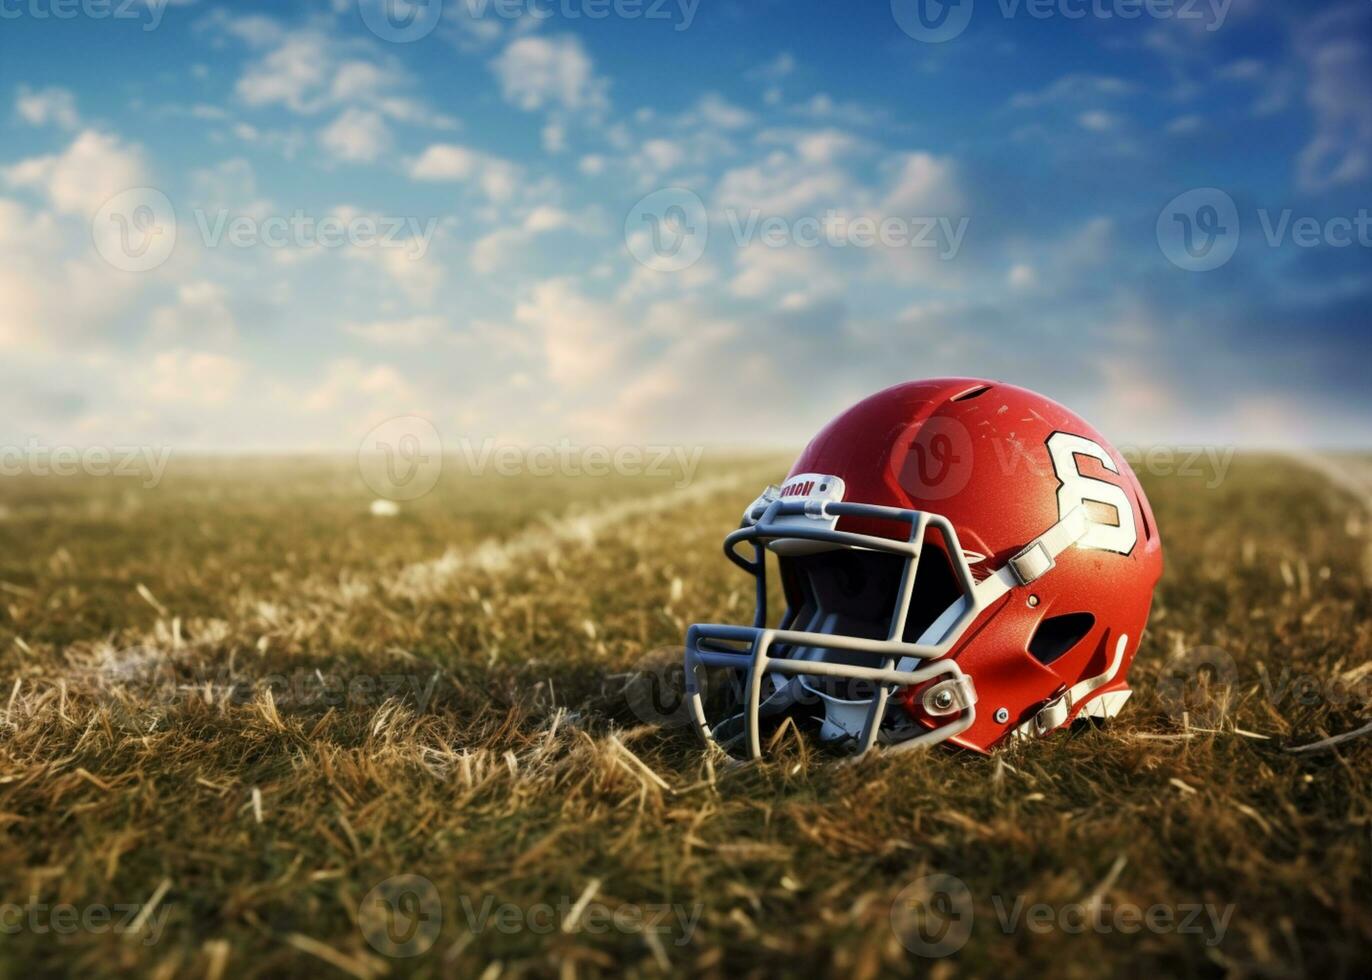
(889, 636)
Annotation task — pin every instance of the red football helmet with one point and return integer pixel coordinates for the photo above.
(961, 560)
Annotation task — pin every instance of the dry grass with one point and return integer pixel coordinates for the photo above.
(165, 742)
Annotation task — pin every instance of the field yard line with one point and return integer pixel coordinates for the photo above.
(1352, 474)
(426, 578)
(429, 577)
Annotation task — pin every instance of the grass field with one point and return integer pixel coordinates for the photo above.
(240, 716)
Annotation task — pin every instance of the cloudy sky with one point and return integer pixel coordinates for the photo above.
(274, 225)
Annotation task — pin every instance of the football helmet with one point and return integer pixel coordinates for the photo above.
(961, 560)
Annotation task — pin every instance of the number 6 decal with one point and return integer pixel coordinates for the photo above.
(1077, 490)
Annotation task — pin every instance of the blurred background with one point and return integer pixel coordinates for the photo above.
(275, 226)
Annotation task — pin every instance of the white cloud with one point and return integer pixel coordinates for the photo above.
(824, 145)
(415, 331)
(201, 314)
(27, 291)
(554, 137)
(825, 108)
(230, 185)
(545, 218)
(1244, 70)
(922, 185)
(50, 105)
(494, 252)
(677, 388)
(1338, 56)
(445, 161)
(690, 281)
(714, 110)
(582, 339)
(775, 70)
(1065, 262)
(55, 293)
(1096, 120)
(295, 73)
(1022, 276)
(1072, 88)
(782, 185)
(661, 154)
(258, 30)
(540, 72)
(309, 71)
(413, 112)
(355, 80)
(353, 386)
(812, 180)
(194, 377)
(356, 136)
(499, 249)
(94, 168)
(497, 178)
(801, 274)
(1186, 125)
(418, 277)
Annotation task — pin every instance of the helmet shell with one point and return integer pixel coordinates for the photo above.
(1003, 465)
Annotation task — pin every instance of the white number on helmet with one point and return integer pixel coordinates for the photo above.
(1081, 491)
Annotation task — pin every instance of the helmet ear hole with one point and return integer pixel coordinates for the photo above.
(1059, 634)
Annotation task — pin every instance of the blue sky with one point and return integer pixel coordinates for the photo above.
(1026, 173)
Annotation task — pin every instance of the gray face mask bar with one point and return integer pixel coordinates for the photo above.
(746, 648)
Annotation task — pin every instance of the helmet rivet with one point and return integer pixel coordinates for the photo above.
(1002, 716)
(1033, 601)
(943, 699)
